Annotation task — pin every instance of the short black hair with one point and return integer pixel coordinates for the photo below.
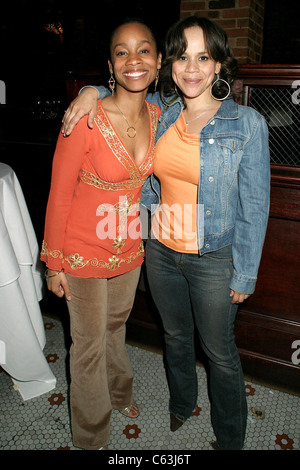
(136, 20)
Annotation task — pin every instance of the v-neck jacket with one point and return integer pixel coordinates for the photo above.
(94, 201)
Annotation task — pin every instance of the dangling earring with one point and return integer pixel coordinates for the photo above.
(112, 83)
(220, 80)
(156, 80)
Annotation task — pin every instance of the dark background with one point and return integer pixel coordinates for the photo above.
(281, 43)
(35, 62)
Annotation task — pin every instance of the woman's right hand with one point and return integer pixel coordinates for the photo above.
(58, 284)
(85, 103)
(238, 297)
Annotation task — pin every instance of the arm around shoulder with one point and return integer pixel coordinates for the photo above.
(84, 104)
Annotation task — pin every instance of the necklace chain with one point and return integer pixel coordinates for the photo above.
(131, 130)
(194, 119)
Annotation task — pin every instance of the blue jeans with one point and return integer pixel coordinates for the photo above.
(193, 292)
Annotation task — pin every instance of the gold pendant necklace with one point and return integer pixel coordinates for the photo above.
(131, 130)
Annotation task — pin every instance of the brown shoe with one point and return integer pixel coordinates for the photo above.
(176, 422)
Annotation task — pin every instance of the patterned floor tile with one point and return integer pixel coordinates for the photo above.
(43, 423)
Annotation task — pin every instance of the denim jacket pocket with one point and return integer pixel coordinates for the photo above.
(231, 152)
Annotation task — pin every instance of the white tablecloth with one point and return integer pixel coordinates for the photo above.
(22, 333)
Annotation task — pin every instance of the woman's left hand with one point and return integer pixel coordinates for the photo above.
(238, 297)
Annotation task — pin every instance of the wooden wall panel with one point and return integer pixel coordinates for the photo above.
(268, 323)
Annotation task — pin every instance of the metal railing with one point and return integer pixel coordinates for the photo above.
(282, 113)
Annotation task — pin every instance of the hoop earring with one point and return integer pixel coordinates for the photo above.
(221, 80)
(156, 80)
(112, 84)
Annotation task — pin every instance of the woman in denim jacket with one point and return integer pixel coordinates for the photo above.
(209, 219)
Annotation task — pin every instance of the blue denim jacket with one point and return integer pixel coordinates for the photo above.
(234, 184)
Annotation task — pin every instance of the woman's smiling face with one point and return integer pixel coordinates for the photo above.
(195, 70)
(134, 58)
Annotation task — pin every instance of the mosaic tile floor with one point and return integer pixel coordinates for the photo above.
(43, 422)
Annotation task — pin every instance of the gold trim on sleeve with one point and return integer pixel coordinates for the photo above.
(56, 254)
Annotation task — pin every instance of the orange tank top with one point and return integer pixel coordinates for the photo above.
(176, 164)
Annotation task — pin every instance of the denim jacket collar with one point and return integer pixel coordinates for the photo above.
(227, 110)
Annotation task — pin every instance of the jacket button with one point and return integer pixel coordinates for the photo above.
(208, 212)
(211, 141)
(210, 179)
(213, 122)
(207, 245)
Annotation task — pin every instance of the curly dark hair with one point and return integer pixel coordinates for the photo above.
(217, 47)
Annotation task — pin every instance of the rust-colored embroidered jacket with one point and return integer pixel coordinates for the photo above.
(92, 226)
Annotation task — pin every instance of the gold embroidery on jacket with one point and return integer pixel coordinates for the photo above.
(137, 178)
(137, 174)
(78, 262)
(118, 243)
(124, 208)
(119, 150)
(56, 254)
(89, 178)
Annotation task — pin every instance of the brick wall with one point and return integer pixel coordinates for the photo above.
(241, 19)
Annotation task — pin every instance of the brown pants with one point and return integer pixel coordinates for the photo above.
(101, 375)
